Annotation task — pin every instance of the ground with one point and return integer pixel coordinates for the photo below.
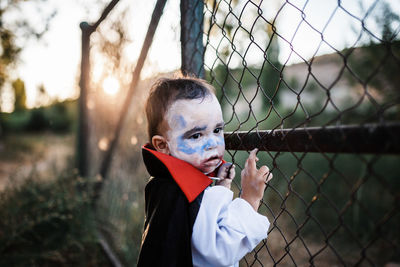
(38, 155)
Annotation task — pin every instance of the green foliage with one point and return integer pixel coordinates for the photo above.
(349, 196)
(47, 224)
(14, 122)
(9, 51)
(271, 71)
(20, 95)
(37, 120)
(376, 64)
(19, 22)
(383, 62)
(60, 117)
(122, 215)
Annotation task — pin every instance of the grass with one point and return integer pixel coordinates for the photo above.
(49, 223)
(14, 147)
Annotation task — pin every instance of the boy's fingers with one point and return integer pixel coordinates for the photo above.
(269, 177)
(253, 152)
(264, 170)
(232, 168)
(232, 172)
(251, 161)
(227, 164)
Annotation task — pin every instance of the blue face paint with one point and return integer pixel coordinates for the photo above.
(221, 140)
(213, 142)
(181, 120)
(208, 144)
(184, 145)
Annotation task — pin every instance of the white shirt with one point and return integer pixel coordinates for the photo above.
(225, 230)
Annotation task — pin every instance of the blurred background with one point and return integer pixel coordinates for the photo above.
(72, 122)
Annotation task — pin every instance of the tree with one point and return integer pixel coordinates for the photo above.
(271, 69)
(20, 95)
(240, 31)
(8, 54)
(377, 64)
(9, 50)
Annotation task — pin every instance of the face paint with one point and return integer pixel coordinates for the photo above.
(195, 132)
(185, 145)
(178, 121)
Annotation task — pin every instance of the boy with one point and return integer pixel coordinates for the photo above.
(189, 223)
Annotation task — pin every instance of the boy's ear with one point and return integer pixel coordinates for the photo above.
(160, 144)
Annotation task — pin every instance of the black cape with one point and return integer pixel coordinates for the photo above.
(169, 214)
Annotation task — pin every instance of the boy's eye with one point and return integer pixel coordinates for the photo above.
(218, 130)
(195, 136)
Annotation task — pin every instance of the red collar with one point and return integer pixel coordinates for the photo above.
(190, 180)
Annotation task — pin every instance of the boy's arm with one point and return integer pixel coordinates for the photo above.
(254, 180)
(167, 233)
(225, 230)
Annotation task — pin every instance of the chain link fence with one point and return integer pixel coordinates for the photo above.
(315, 86)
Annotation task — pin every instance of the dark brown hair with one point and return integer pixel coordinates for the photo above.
(166, 91)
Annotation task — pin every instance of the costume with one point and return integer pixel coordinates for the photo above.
(189, 223)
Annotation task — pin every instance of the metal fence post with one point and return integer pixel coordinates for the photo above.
(82, 148)
(83, 125)
(192, 37)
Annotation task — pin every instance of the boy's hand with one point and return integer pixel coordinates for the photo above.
(254, 180)
(226, 173)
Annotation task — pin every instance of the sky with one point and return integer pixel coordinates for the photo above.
(54, 59)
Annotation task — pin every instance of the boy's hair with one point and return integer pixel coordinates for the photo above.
(166, 91)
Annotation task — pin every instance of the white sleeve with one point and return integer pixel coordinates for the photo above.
(225, 230)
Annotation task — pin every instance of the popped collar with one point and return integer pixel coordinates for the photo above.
(189, 179)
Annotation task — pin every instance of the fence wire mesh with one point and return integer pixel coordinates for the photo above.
(282, 68)
(297, 64)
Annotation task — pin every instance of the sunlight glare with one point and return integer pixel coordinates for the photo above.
(90, 104)
(103, 144)
(134, 140)
(111, 85)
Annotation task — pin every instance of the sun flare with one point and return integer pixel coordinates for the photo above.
(103, 144)
(111, 85)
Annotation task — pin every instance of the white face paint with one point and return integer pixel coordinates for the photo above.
(195, 132)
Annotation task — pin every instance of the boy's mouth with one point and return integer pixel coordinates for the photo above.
(214, 160)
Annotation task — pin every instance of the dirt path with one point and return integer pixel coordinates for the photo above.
(26, 156)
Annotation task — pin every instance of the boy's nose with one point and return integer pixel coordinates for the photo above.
(211, 144)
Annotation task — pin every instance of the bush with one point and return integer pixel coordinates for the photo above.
(15, 122)
(37, 120)
(47, 224)
(59, 117)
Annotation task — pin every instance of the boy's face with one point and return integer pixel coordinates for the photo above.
(195, 132)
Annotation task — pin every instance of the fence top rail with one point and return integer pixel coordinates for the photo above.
(367, 138)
